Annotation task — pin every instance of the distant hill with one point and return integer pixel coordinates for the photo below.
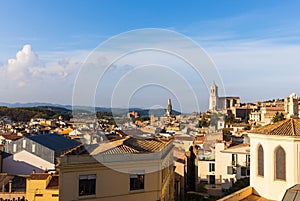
(49, 110)
(35, 104)
(142, 112)
(24, 114)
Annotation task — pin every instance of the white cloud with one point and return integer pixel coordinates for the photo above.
(28, 78)
(27, 66)
(18, 68)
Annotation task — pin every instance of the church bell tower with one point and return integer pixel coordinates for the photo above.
(213, 97)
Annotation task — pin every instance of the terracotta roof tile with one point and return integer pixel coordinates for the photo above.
(122, 149)
(123, 146)
(288, 127)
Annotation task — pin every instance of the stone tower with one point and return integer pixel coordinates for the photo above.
(169, 108)
(213, 97)
(291, 106)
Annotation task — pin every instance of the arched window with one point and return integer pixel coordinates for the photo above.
(280, 163)
(260, 161)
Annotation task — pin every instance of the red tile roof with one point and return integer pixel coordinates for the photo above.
(288, 127)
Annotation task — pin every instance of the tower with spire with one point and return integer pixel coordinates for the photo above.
(169, 108)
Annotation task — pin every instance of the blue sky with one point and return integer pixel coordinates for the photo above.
(254, 44)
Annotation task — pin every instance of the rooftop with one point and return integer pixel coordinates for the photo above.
(54, 182)
(54, 141)
(122, 146)
(54, 179)
(292, 194)
(288, 127)
(241, 148)
(38, 176)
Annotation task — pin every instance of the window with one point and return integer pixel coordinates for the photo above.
(260, 161)
(14, 148)
(39, 195)
(231, 170)
(245, 171)
(24, 143)
(136, 181)
(280, 163)
(234, 159)
(247, 160)
(87, 185)
(211, 167)
(55, 195)
(33, 148)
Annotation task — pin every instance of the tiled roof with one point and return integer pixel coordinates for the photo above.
(39, 176)
(288, 127)
(11, 137)
(123, 146)
(145, 145)
(241, 148)
(292, 194)
(121, 149)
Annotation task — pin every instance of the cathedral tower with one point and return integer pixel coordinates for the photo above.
(213, 97)
(169, 108)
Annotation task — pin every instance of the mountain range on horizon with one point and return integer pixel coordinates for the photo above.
(116, 111)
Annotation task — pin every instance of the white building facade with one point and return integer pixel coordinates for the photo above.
(275, 158)
(229, 165)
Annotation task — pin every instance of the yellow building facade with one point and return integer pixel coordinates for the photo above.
(126, 177)
(42, 186)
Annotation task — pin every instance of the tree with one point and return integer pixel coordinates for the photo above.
(226, 131)
(203, 122)
(278, 117)
(247, 127)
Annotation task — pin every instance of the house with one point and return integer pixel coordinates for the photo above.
(125, 169)
(275, 164)
(42, 186)
(24, 163)
(225, 166)
(48, 146)
(13, 187)
(232, 163)
(8, 138)
(275, 158)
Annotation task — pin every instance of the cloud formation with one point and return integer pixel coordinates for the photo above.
(18, 68)
(27, 78)
(27, 66)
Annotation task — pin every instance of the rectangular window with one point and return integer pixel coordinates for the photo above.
(211, 167)
(38, 195)
(231, 170)
(243, 171)
(24, 143)
(14, 148)
(247, 160)
(87, 185)
(33, 148)
(136, 182)
(54, 195)
(234, 159)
